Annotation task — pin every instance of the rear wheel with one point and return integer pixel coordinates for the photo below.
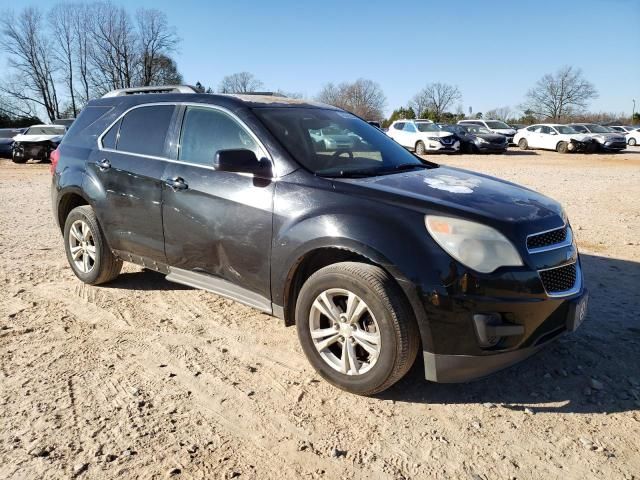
(356, 328)
(87, 251)
(523, 144)
(632, 142)
(420, 148)
(562, 147)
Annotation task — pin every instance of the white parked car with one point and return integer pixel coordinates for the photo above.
(548, 136)
(624, 129)
(633, 137)
(496, 126)
(423, 136)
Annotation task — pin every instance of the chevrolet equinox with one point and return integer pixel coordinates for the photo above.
(306, 212)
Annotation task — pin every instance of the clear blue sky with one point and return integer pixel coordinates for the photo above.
(493, 51)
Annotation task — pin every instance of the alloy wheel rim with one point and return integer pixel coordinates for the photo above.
(345, 332)
(82, 246)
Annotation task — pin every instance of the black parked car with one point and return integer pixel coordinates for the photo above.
(475, 139)
(372, 252)
(6, 140)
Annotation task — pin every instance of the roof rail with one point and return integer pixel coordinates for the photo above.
(264, 94)
(159, 89)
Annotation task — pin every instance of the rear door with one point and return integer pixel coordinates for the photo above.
(218, 223)
(126, 176)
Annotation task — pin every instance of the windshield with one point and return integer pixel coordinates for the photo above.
(497, 124)
(563, 129)
(597, 128)
(45, 131)
(360, 150)
(476, 130)
(427, 127)
(8, 133)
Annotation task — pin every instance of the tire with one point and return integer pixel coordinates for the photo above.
(562, 147)
(632, 142)
(523, 144)
(103, 266)
(387, 318)
(420, 148)
(16, 159)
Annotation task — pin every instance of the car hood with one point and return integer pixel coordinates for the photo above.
(490, 137)
(435, 134)
(456, 192)
(37, 138)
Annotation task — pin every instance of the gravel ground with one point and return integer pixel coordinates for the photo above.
(143, 378)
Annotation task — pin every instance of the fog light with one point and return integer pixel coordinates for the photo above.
(490, 329)
(571, 146)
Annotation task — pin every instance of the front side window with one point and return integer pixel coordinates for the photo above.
(205, 131)
(409, 127)
(580, 128)
(359, 149)
(144, 130)
(428, 127)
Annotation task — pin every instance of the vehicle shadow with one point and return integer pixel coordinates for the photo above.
(559, 378)
(144, 280)
(519, 153)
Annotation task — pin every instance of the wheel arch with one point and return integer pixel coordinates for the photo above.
(68, 200)
(320, 255)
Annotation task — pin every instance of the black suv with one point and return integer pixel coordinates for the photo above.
(372, 252)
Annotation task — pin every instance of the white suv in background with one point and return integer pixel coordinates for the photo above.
(548, 136)
(633, 137)
(496, 126)
(423, 136)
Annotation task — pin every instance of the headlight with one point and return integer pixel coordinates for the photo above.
(481, 140)
(477, 246)
(434, 139)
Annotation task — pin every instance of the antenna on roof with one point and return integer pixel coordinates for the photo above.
(159, 89)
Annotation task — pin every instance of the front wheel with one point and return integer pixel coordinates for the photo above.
(632, 142)
(420, 148)
(18, 158)
(562, 147)
(356, 328)
(87, 251)
(523, 144)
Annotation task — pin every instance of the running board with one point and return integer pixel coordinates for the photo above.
(220, 287)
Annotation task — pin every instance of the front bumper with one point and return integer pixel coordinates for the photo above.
(438, 147)
(455, 368)
(613, 146)
(492, 147)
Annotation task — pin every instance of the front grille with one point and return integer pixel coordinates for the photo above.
(446, 140)
(559, 279)
(546, 239)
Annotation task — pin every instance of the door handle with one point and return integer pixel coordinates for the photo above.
(176, 183)
(104, 164)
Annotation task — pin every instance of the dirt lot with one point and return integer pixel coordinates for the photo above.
(148, 379)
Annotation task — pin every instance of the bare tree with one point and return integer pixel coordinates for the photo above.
(242, 82)
(437, 98)
(81, 25)
(112, 54)
(559, 95)
(61, 20)
(500, 113)
(23, 39)
(363, 97)
(156, 40)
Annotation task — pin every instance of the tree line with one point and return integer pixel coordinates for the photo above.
(60, 59)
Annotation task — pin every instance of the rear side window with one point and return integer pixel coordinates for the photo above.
(144, 130)
(111, 138)
(205, 131)
(399, 126)
(409, 127)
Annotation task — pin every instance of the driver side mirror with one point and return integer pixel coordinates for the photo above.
(242, 161)
(552, 132)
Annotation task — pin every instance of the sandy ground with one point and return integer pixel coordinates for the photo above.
(143, 378)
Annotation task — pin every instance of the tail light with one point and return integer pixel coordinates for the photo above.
(54, 157)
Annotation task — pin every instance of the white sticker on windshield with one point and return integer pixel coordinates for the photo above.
(452, 184)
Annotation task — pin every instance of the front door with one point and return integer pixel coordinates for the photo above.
(218, 223)
(125, 176)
